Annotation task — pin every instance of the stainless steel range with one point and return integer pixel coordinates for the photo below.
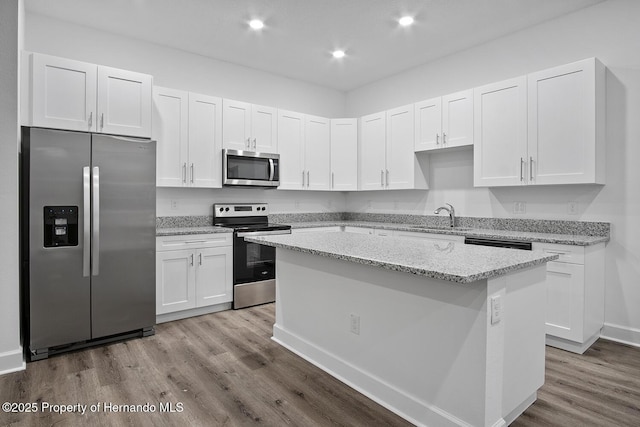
(254, 265)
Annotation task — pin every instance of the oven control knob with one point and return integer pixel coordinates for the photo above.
(226, 209)
(221, 209)
(263, 208)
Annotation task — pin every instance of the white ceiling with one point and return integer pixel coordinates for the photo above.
(299, 35)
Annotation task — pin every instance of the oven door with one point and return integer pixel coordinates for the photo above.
(246, 168)
(253, 262)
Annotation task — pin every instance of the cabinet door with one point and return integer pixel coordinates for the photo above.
(565, 130)
(170, 130)
(400, 155)
(500, 133)
(124, 102)
(344, 154)
(236, 125)
(428, 117)
(318, 153)
(291, 149)
(565, 300)
(175, 281)
(264, 129)
(205, 141)
(63, 93)
(457, 119)
(214, 276)
(371, 152)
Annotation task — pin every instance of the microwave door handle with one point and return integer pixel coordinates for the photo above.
(272, 170)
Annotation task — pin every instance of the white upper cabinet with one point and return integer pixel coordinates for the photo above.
(171, 132)
(372, 151)
(188, 131)
(387, 159)
(291, 149)
(205, 140)
(344, 154)
(304, 146)
(63, 93)
(124, 102)
(249, 127)
(444, 122)
(541, 129)
(74, 95)
(566, 124)
(317, 158)
(500, 133)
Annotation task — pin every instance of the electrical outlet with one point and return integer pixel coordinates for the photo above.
(496, 309)
(519, 207)
(572, 208)
(174, 205)
(354, 327)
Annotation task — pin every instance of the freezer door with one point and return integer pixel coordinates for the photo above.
(124, 233)
(59, 285)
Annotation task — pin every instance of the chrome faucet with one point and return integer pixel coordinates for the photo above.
(452, 213)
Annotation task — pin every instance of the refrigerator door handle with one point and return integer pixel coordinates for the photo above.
(95, 243)
(86, 214)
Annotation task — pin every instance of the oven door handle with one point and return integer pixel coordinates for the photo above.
(262, 233)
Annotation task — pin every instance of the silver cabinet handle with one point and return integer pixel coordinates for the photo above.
(248, 142)
(521, 169)
(95, 243)
(191, 259)
(530, 168)
(200, 258)
(272, 170)
(437, 138)
(303, 178)
(86, 217)
(307, 179)
(255, 144)
(192, 173)
(332, 179)
(101, 121)
(381, 178)
(444, 138)
(90, 119)
(184, 173)
(387, 177)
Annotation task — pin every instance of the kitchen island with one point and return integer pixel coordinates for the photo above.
(439, 332)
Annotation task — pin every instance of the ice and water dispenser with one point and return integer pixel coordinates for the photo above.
(60, 226)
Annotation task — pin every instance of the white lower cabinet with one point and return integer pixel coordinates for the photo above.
(575, 295)
(193, 272)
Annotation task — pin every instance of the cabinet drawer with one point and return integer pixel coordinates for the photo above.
(568, 253)
(173, 243)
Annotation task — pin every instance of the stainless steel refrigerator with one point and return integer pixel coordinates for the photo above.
(88, 212)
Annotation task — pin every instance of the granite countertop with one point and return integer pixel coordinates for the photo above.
(450, 261)
(184, 231)
(565, 239)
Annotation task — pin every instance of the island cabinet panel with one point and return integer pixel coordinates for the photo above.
(480, 369)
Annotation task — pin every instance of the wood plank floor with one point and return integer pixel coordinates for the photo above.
(224, 370)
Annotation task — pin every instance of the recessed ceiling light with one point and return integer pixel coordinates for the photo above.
(256, 24)
(405, 21)
(338, 54)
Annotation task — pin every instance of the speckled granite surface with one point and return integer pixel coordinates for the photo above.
(449, 261)
(185, 231)
(183, 221)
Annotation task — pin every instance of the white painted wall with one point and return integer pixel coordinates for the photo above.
(199, 201)
(181, 70)
(609, 31)
(11, 14)
(178, 69)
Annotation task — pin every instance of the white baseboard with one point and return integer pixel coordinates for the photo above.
(621, 334)
(178, 315)
(12, 361)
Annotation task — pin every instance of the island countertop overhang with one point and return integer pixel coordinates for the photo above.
(444, 260)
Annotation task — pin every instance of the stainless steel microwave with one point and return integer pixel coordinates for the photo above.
(250, 169)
